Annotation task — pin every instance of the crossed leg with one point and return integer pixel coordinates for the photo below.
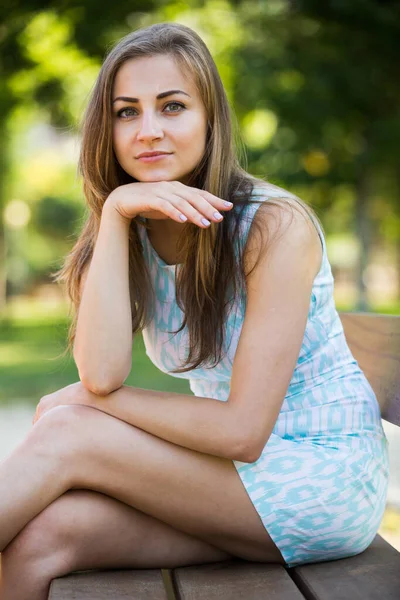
(143, 499)
(84, 530)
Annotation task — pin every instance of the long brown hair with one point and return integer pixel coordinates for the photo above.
(213, 263)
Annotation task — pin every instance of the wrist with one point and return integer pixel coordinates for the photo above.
(110, 211)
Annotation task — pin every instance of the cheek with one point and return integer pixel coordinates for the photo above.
(115, 140)
(120, 140)
(192, 137)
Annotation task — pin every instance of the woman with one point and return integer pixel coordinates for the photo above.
(280, 456)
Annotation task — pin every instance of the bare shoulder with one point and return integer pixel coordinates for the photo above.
(282, 224)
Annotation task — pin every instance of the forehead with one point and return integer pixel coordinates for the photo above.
(150, 75)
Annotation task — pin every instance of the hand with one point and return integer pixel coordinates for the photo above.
(76, 393)
(167, 200)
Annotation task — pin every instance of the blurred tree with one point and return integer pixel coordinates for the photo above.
(315, 86)
(328, 74)
(56, 217)
(84, 28)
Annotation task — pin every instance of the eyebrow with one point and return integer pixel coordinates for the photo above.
(162, 95)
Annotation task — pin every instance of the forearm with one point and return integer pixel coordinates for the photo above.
(202, 424)
(103, 341)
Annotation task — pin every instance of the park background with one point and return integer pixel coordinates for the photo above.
(316, 92)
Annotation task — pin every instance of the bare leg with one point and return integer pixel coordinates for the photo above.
(77, 447)
(85, 530)
(32, 477)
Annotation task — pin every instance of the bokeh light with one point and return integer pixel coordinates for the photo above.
(17, 214)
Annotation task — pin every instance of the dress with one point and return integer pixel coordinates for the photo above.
(320, 484)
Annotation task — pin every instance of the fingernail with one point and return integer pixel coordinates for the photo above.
(182, 217)
(217, 215)
(205, 222)
(228, 203)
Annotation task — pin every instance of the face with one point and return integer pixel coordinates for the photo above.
(143, 121)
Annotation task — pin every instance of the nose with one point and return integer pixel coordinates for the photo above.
(149, 128)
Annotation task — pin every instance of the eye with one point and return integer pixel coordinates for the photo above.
(126, 113)
(175, 104)
(122, 113)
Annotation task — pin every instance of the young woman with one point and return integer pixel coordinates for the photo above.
(280, 454)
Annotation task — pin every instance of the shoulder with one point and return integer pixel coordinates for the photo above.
(282, 224)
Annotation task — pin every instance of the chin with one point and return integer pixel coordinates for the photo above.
(153, 177)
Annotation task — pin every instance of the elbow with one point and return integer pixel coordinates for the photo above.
(102, 376)
(246, 444)
(101, 386)
(103, 380)
(248, 457)
(246, 452)
(101, 390)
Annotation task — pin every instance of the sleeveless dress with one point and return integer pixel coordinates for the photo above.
(320, 484)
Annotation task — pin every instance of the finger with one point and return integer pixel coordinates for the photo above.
(196, 207)
(181, 210)
(217, 202)
(167, 207)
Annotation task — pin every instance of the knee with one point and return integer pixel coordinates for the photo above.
(64, 416)
(62, 427)
(70, 400)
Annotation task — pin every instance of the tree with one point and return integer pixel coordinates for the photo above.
(83, 29)
(329, 74)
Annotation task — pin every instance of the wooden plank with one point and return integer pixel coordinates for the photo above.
(374, 341)
(126, 584)
(234, 580)
(168, 583)
(373, 574)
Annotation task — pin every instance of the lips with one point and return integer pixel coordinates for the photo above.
(153, 157)
(148, 154)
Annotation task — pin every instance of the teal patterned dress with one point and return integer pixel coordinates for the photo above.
(320, 484)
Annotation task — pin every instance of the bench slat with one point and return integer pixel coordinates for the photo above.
(374, 341)
(375, 573)
(234, 580)
(140, 584)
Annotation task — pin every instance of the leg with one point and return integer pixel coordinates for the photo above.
(198, 494)
(84, 530)
(32, 477)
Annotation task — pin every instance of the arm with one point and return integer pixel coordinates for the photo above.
(103, 341)
(202, 424)
(278, 300)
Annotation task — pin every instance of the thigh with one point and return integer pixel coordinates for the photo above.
(195, 493)
(84, 530)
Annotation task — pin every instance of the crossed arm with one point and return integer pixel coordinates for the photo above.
(278, 299)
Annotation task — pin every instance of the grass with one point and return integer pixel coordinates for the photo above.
(32, 365)
(32, 340)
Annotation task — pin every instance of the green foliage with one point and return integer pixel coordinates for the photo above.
(32, 362)
(314, 85)
(56, 217)
(328, 72)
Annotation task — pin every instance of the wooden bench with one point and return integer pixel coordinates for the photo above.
(374, 574)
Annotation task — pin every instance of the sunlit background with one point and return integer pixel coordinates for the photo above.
(316, 93)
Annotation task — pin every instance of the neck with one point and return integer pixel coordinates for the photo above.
(163, 236)
(165, 227)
